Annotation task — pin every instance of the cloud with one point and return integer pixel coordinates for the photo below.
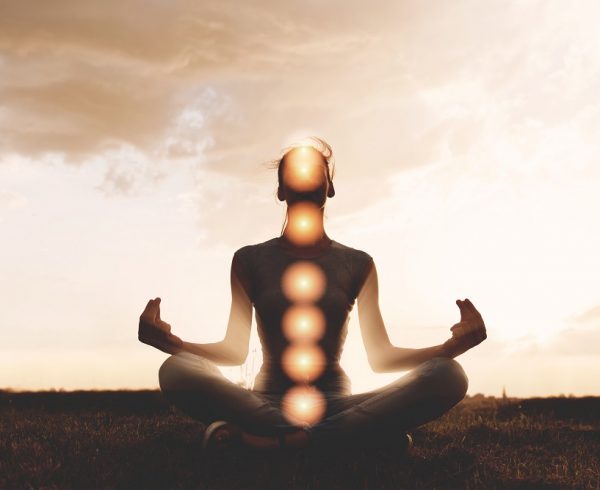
(578, 342)
(590, 317)
(77, 76)
(499, 88)
(9, 201)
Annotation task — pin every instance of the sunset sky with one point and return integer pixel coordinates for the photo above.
(135, 139)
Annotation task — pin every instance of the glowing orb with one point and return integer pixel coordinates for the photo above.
(303, 405)
(303, 323)
(303, 282)
(303, 363)
(304, 169)
(305, 224)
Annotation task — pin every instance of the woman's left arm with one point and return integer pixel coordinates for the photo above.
(384, 357)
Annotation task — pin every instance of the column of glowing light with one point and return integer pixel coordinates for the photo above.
(303, 283)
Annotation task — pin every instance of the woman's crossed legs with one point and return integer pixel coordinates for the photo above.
(196, 386)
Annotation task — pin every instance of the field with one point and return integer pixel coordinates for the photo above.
(132, 440)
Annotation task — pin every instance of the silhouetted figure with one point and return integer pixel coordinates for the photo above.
(303, 286)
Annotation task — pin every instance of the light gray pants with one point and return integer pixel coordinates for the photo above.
(197, 387)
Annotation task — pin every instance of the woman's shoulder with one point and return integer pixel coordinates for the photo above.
(267, 243)
(248, 250)
(356, 253)
(359, 262)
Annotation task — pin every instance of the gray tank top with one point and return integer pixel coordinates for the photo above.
(262, 266)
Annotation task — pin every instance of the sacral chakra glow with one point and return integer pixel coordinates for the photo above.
(303, 363)
(303, 282)
(303, 405)
(303, 323)
(304, 169)
(305, 224)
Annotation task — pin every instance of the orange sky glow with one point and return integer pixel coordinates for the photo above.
(135, 149)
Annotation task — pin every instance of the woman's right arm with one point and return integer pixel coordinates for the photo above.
(385, 357)
(233, 349)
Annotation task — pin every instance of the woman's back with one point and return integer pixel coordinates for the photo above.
(264, 265)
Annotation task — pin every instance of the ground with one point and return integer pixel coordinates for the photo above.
(133, 440)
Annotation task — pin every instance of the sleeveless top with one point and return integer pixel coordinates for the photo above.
(262, 266)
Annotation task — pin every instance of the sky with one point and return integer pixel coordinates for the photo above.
(135, 142)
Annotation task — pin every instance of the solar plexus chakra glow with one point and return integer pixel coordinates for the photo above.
(303, 362)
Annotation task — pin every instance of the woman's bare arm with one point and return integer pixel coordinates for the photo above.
(385, 357)
(233, 349)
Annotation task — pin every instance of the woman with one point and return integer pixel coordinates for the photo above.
(263, 417)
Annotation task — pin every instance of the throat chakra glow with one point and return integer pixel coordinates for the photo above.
(305, 225)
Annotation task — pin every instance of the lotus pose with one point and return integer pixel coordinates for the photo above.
(303, 286)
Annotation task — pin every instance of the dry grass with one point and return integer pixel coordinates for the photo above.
(135, 440)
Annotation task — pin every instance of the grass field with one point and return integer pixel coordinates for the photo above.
(135, 440)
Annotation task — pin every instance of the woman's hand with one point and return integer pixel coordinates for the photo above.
(156, 332)
(467, 333)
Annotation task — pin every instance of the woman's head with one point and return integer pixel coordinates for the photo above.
(319, 171)
(292, 174)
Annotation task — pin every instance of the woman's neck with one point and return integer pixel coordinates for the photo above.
(322, 242)
(304, 232)
(305, 227)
